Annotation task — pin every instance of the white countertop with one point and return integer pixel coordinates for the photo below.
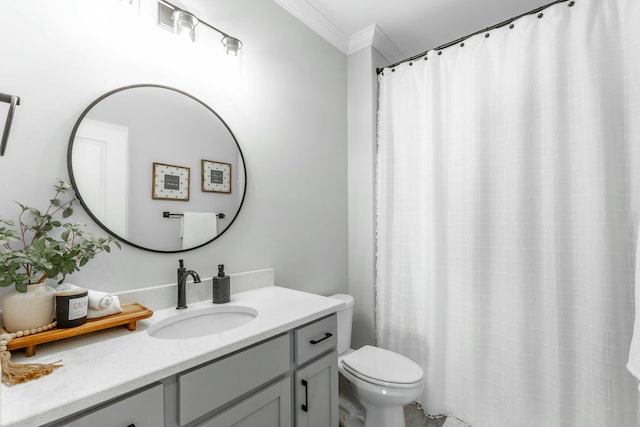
(103, 365)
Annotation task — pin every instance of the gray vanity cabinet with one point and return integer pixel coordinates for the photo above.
(316, 378)
(285, 381)
(141, 409)
(207, 389)
(270, 407)
(316, 393)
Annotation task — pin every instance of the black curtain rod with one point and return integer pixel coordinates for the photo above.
(461, 39)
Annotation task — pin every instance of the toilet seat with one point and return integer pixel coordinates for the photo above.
(382, 367)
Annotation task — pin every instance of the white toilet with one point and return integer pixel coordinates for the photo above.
(382, 381)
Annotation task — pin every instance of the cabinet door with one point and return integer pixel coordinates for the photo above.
(317, 393)
(270, 407)
(144, 409)
(205, 389)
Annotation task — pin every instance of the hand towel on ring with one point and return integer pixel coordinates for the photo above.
(198, 228)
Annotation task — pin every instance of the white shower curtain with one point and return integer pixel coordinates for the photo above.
(507, 208)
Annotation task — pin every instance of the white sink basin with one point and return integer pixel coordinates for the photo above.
(202, 322)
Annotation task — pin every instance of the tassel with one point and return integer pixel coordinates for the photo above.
(15, 373)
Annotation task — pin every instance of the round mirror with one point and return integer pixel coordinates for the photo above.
(157, 168)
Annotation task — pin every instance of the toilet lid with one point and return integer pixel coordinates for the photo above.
(382, 366)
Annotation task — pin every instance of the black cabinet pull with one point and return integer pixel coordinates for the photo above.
(326, 335)
(131, 425)
(305, 407)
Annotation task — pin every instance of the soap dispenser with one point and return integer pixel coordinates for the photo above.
(221, 287)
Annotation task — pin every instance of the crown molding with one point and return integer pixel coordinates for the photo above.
(374, 36)
(317, 22)
(386, 47)
(361, 39)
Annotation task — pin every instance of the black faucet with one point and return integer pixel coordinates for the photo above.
(183, 273)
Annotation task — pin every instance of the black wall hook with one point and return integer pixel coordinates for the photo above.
(13, 101)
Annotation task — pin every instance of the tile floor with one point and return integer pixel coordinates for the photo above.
(413, 417)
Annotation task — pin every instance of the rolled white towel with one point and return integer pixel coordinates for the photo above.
(112, 308)
(99, 300)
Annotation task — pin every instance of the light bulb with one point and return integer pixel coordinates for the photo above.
(232, 44)
(184, 24)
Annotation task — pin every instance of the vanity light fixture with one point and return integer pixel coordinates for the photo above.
(181, 22)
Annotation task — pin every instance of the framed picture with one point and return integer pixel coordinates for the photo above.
(170, 182)
(216, 177)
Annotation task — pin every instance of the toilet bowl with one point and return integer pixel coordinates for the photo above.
(382, 381)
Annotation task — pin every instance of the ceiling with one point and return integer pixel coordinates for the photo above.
(402, 28)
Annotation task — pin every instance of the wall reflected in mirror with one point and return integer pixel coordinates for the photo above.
(114, 152)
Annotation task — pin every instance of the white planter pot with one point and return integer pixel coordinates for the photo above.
(28, 310)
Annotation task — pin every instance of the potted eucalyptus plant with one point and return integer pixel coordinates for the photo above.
(40, 246)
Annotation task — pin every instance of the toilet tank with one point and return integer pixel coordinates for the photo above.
(345, 317)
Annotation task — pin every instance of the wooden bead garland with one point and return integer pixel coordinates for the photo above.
(28, 332)
(15, 373)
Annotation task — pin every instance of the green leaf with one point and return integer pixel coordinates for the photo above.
(53, 272)
(62, 185)
(39, 251)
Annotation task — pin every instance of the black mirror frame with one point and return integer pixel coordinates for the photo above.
(103, 226)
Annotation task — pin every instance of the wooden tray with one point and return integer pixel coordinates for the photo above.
(130, 315)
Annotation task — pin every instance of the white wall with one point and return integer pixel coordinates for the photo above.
(362, 113)
(286, 104)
